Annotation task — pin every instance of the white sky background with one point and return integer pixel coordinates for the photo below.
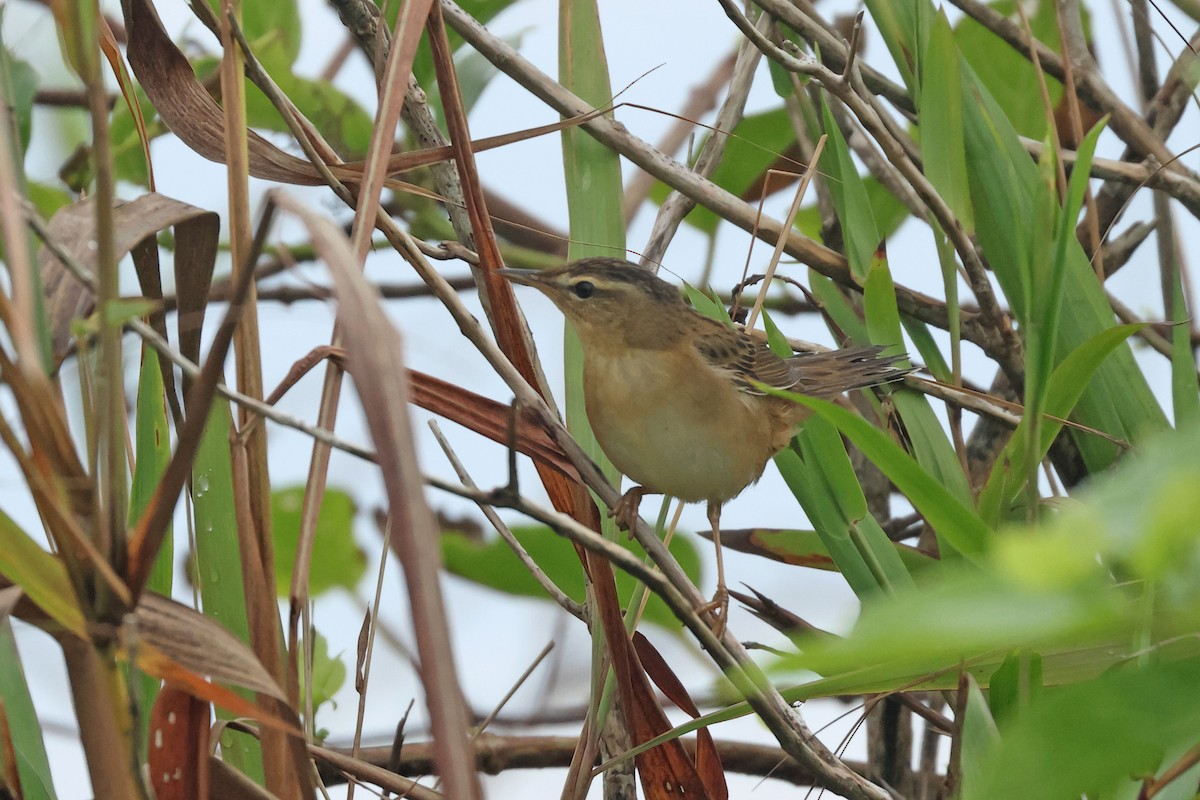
(677, 43)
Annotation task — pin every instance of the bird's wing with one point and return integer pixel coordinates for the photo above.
(828, 374)
(746, 358)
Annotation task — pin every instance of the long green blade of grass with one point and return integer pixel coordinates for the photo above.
(33, 765)
(955, 522)
(218, 560)
(152, 447)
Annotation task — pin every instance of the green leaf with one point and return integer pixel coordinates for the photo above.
(818, 471)
(1067, 384)
(755, 146)
(594, 194)
(1091, 738)
(1006, 190)
(1009, 77)
(47, 199)
(218, 559)
(941, 130)
(966, 618)
(930, 445)
(474, 71)
(337, 560)
(1015, 683)
(888, 211)
(341, 120)
(20, 88)
(838, 306)
(153, 451)
(898, 23)
(705, 304)
(33, 766)
(979, 734)
(776, 339)
(928, 349)
(954, 522)
(329, 673)
(483, 11)
(274, 25)
(122, 310)
(1139, 521)
(41, 576)
(849, 195)
(879, 305)
(493, 564)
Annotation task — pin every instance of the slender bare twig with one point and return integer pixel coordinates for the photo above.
(189, 368)
(716, 199)
(558, 595)
(856, 97)
(677, 205)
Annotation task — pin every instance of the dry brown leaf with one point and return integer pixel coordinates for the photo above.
(374, 350)
(192, 115)
(177, 755)
(666, 771)
(199, 644)
(135, 223)
(708, 760)
(491, 419)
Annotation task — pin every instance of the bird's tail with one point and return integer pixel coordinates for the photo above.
(828, 374)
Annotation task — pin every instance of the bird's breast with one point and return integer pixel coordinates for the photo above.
(676, 425)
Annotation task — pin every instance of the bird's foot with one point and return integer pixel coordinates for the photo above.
(625, 512)
(718, 607)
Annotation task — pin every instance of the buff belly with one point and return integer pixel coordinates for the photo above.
(650, 427)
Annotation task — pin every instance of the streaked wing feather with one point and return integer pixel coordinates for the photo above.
(746, 358)
(830, 373)
(749, 360)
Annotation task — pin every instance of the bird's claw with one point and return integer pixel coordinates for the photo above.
(718, 607)
(625, 512)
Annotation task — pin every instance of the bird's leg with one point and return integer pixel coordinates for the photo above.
(625, 512)
(719, 605)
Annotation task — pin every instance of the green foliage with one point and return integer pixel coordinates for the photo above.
(328, 673)
(941, 129)
(218, 558)
(153, 452)
(1094, 737)
(33, 765)
(849, 198)
(129, 160)
(342, 121)
(956, 523)
(818, 471)
(474, 72)
(20, 83)
(1007, 75)
(755, 145)
(1053, 620)
(1009, 193)
(337, 560)
(493, 563)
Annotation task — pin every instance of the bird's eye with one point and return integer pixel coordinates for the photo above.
(584, 289)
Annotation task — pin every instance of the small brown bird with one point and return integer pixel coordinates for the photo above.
(671, 394)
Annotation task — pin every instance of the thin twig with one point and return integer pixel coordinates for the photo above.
(558, 595)
(189, 368)
(678, 205)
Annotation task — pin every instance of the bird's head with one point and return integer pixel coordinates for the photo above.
(611, 300)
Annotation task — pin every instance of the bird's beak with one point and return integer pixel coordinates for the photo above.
(526, 277)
